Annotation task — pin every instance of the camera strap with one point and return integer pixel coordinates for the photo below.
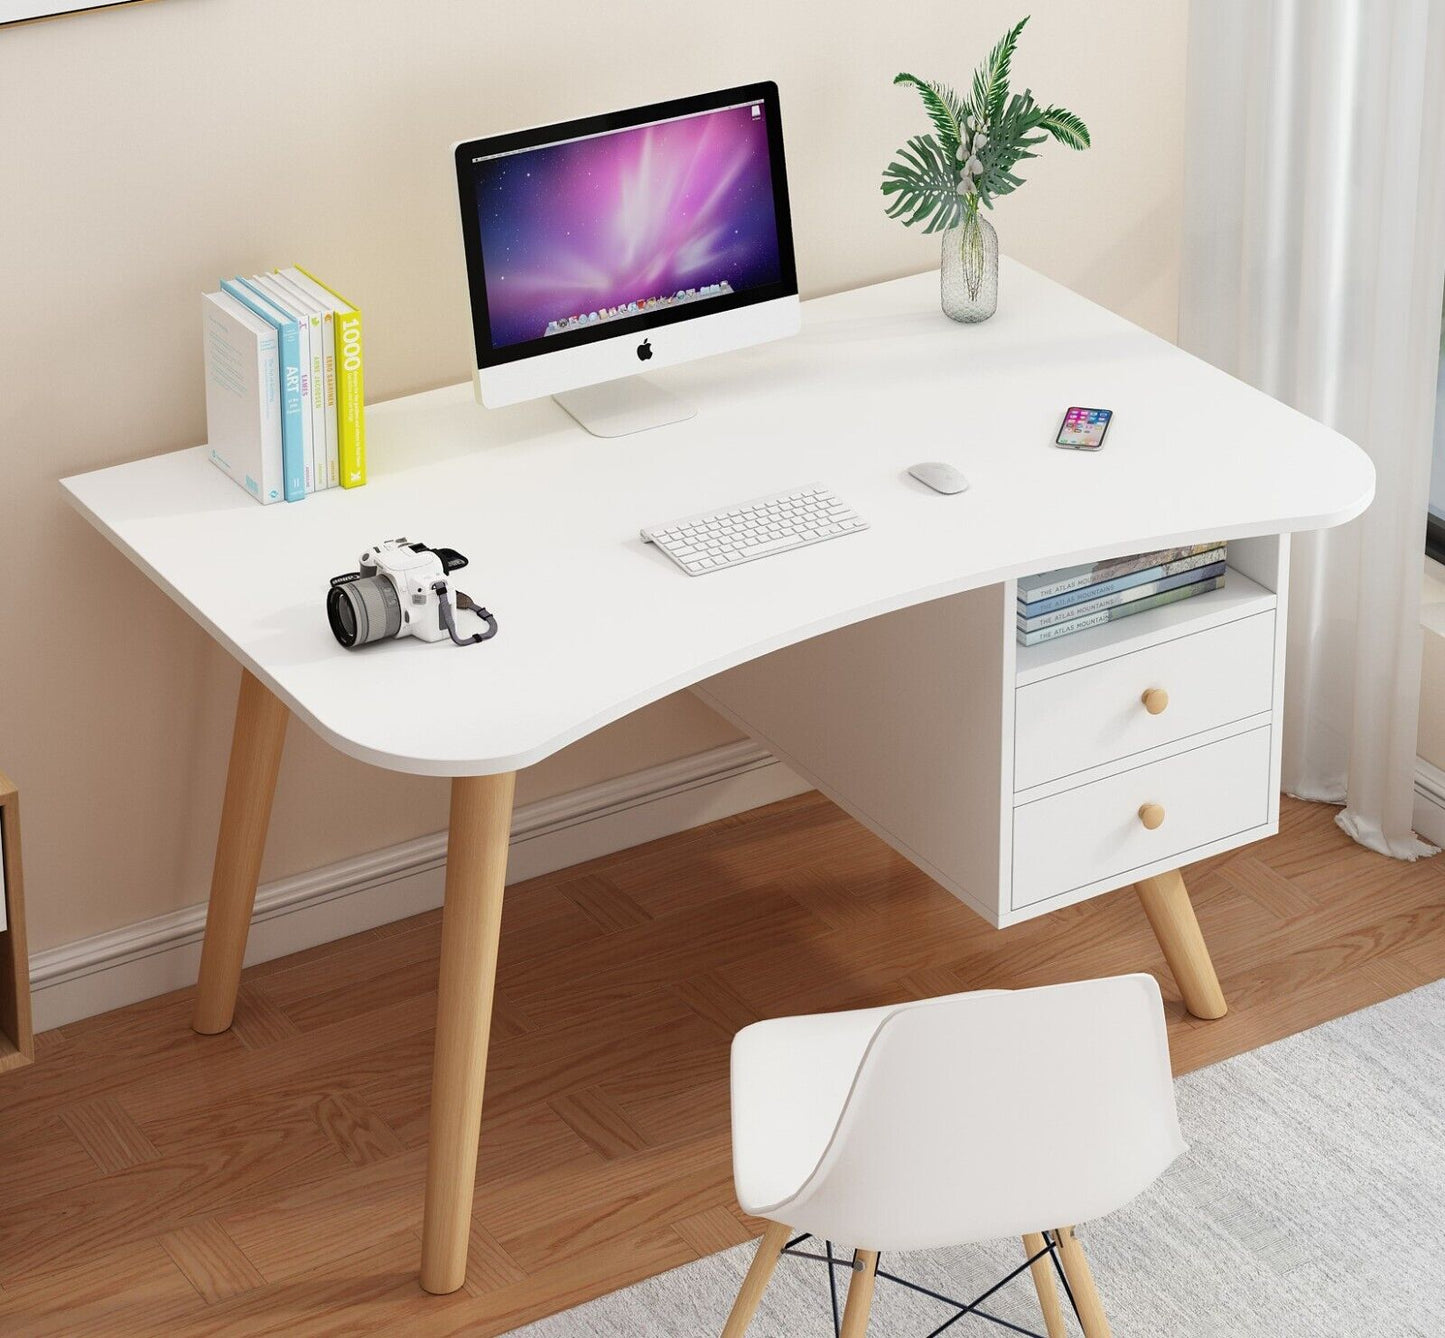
(464, 601)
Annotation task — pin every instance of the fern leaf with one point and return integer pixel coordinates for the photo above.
(943, 107)
(1065, 127)
(990, 80)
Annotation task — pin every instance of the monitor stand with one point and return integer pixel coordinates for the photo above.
(619, 408)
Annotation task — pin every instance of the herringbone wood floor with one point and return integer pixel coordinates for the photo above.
(268, 1181)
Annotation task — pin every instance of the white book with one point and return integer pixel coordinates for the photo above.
(348, 361)
(313, 444)
(243, 396)
(323, 347)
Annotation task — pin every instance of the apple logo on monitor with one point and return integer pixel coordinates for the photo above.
(644, 350)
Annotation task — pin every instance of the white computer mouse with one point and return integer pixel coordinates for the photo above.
(940, 477)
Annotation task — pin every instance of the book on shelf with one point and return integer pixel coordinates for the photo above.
(1081, 623)
(243, 396)
(293, 470)
(1046, 584)
(1029, 621)
(1121, 584)
(350, 396)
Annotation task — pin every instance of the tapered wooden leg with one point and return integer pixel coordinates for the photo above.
(1166, 903)
(860, 1294)
(481, 819)
(1081, 1284)
(1043, 1275)
(256, 745)
(760, 1273)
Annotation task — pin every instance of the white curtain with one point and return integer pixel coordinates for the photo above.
(1314, 258)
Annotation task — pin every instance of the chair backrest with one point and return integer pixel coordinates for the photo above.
(997, 1113)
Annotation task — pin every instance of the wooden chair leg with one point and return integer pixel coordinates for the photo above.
(256, 743)
(1043, 1275)
(1166, 903)
(860, 1294)
(1081, 1284)
(481, 817)
(760, 1273)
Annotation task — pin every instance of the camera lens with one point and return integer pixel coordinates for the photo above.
(363, 611)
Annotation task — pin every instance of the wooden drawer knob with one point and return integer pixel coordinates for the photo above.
(1155, 700)
(1151, 815)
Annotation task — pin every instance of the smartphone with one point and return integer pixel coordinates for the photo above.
(1083, 429)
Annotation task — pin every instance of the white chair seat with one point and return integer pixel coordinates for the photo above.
(791, 1079)
(946, 1121)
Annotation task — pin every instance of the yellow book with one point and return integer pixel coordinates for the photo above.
(350, 398)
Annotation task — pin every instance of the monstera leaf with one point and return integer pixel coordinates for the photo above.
(922, 185)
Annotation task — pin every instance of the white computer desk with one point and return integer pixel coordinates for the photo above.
(882, 665)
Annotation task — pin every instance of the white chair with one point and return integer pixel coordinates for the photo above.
(949, 1121)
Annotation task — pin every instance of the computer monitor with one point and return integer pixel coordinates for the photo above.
(603, 247)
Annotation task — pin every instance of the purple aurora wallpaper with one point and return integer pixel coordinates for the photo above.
(600, 229)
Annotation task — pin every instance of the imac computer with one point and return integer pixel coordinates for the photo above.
(600, 248)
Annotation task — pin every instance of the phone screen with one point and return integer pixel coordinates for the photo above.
(1084, 429)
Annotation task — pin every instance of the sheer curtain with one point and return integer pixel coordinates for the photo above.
(1314, 258)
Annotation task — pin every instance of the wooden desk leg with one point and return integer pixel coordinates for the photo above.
(471, 922)
(1166, 903)
(250, 785)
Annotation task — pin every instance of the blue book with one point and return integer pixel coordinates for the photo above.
(288, 332)
(1127, 581)
(1033, 622)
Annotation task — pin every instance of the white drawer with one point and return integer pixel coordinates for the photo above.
(1093, 715)
(1093, 832)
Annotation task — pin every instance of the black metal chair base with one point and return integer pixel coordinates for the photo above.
(961, 1308)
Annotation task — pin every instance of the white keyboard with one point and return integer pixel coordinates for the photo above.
(756, 529)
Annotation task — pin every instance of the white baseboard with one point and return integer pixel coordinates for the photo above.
(1430, 802)
(153, 956)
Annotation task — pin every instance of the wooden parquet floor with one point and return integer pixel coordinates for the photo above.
(269, 1180)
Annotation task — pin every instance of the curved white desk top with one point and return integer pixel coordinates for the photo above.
(595, 623)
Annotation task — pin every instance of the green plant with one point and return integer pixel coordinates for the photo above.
(940, 179)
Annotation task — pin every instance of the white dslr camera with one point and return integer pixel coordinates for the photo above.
(401, 589)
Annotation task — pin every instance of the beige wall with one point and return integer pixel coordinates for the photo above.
(145, 151)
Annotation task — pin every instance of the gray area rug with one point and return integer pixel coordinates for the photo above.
(1311, 1202)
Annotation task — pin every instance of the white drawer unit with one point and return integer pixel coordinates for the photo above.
(1120, 827)
(1165, 693)
(1014, 775)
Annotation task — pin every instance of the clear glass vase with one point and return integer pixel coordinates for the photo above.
(969, 273)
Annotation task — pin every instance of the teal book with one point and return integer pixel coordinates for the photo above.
(1127, 596)
(1121, 611)
(1047, 584)
(288, 334)
(1085, 594)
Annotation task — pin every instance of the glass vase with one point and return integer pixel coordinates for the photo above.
(969, 273)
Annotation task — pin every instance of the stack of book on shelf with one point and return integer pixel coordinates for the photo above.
(1056, 603)
(284, 404)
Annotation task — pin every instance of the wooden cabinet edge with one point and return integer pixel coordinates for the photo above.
(17, 1039)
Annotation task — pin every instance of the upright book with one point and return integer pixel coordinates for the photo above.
(313, 417)
(289, 344)
(350, 391)
(243, 396)
(323, 350)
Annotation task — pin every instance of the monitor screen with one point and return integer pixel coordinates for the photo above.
(595, 228)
